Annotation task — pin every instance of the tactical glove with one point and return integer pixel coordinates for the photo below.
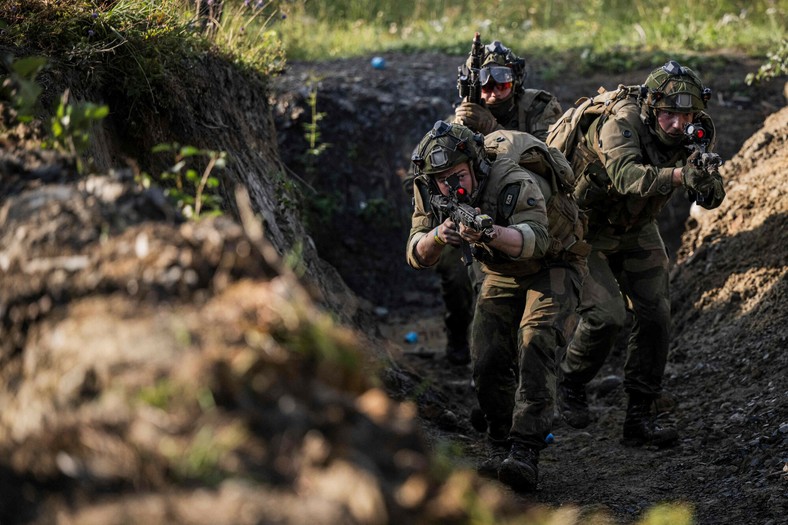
(476, 117)
(706, 189)
(712, 191)
(693, 177)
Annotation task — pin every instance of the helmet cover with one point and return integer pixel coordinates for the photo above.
(673, 87)
(445, 146)
(496, 59)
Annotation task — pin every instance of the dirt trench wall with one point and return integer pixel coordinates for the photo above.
(212, 105)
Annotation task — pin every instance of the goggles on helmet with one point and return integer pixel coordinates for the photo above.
(445, 146)
(498, 74)
(439, 158)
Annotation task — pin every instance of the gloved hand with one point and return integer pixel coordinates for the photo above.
(707, 189)
(476, 117)
(693, 177)
(712, 191)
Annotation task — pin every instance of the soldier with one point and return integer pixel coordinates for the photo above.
(507, 105)
(527, 295)
(636, 157)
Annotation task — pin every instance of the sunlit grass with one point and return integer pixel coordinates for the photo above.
(325, 30)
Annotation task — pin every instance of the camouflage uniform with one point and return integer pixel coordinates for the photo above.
(524, 308)
(624, 190)
(529, 110)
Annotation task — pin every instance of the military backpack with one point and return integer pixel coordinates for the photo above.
(566, 223)
(568, 133)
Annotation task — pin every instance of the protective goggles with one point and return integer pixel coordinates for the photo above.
(498, 74)
(681, 101)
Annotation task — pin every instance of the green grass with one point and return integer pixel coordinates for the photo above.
(325, 30)
(140, 40)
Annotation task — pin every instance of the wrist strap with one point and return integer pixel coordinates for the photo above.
(438, 240)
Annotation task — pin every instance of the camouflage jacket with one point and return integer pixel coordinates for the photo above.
(632, 180)
(534, 113)
(512, 196)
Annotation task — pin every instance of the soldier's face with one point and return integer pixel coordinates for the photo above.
(463, 172)
(493, 92)
(672, 122)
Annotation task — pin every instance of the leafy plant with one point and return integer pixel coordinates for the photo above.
(312, 129)
(776, 64)
(20, 86)
(72, 124)
(287, 191)
(193, 192)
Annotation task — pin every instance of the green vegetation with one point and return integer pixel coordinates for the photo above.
(72, 124)
(775, 65)
(20, 87)
(592, 30)
(193, 192)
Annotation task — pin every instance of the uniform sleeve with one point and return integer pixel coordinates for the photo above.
(622, 156)
(421, 223)
(530, 214)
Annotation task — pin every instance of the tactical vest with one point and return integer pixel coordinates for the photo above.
(566, 223)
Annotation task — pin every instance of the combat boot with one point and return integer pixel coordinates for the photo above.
(497, 450)
(573, 404)
(519, 470)
(644, 426)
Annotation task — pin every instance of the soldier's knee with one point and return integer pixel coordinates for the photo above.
(613, 318)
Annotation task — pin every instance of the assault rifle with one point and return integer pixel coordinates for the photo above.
(704, 160)
(468, 84)
(461, 213)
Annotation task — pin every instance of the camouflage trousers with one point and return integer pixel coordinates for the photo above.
(459, 289)
(626, 271)
(518, 326)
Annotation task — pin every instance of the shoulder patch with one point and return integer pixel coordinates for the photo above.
(507, 200)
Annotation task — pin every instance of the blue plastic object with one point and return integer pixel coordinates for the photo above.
(411, 337)
(378, 62)
(549, 439)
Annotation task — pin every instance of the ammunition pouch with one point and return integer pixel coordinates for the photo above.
(567, 227)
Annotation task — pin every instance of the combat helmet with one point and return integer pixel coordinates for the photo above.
(447, 145)
(674, 87)
(671, 87)
(501, 65)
